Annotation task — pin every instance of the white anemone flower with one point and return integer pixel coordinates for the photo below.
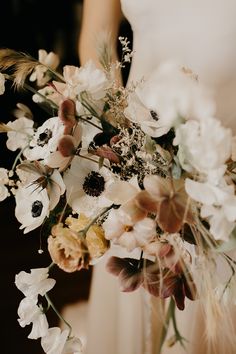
(20, 134)
(204, 145)
(137, 112)
(173, 95)
(32, 207)
(34, 283)
(2, 84)
(45, 139)
(49, 60)
(86, 186)
(34, 173)
(120, 228)
(28, 313)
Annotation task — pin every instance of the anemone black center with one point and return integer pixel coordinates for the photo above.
(36, 209)
(44, 137)
(154, 115)
(94, 184)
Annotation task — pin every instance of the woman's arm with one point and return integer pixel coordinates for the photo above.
(99, 16)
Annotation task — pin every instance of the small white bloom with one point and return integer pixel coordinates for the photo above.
(47, 92)
(218, 205)
(54, 341)
(2, 84)
(28, 313)
(73, 346)
(32, 207)
(49, 60)
(3, 176)
(34, 283)
(86, 78)
(21, 134)
(45, 139)
(3, 192)
(86, 186)
(120, 228)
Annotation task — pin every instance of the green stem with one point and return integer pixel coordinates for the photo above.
(178, 336)
(165, 327)
(93, 221)
(18, 157)
(50, 304)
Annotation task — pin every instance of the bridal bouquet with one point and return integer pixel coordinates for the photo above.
(145, 168)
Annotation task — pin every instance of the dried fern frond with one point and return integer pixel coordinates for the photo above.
(19, 64)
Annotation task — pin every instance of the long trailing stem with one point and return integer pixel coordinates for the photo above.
(50, 304)
(165, 328)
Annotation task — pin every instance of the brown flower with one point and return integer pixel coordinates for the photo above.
(95, 238)
(173, 208)
(67, 249)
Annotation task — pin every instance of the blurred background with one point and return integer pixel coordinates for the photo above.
(29, 25)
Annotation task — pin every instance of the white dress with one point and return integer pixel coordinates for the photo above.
(201, 35)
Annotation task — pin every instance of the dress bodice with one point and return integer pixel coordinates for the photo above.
(199, 34)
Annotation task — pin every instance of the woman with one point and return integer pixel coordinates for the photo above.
(199, 35)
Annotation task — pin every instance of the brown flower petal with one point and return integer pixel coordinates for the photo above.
(66, 113)
(145, 201)
(66, 146)
(106, 152)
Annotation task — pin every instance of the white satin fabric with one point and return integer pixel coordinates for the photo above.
(201, 35)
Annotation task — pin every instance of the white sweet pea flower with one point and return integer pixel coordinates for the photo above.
(73, 346)
(34, 283)
(54, 341)
(204, 145)
(220, 225)
(218, 205)
(3, 176)
(173, 94)
(2, 84)
(49, 93)
(3, 192)
(28, 313)
(20, 134)
(3, 180)
(86, 186)
(120, 228)
(32, 207)
(45, 139)
(40, 73)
